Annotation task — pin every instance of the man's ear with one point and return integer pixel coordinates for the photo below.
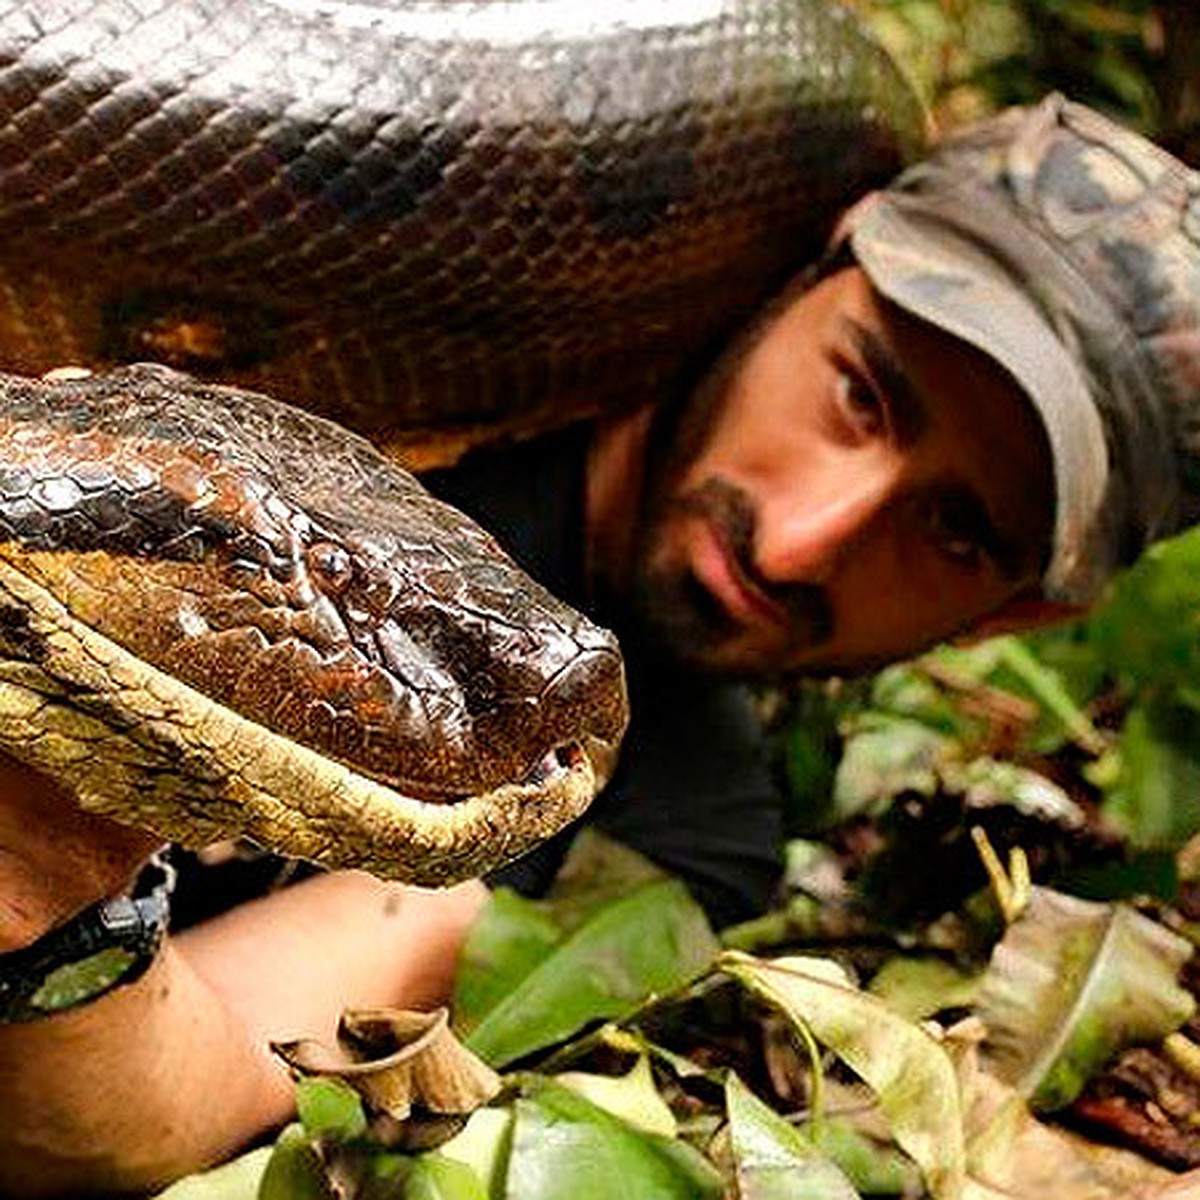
(1020, 614)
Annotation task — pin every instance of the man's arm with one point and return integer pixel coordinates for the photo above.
(172, 1072)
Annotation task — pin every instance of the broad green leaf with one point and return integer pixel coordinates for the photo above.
(632, 1097)
(236, 1180)
(510, 938)
(772, 1161)
(1146, 633)
(1046, 685)
(873, 1168)
(1070, 984)
(909, 1072)
(434, 1176)
(294, 1171)
(907, 690)
(513, 935)
(566, 1148)
(650, 942)
(598, 869)
(916, 988)
(1154, 793)
(329, 1108)
(483, 1144)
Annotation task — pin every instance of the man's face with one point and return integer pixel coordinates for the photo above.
(849, 486)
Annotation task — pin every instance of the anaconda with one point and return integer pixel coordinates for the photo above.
(399, 215)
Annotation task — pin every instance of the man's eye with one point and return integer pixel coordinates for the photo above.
(859, 404)
(957, 528)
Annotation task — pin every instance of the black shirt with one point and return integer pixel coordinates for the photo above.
(692, 791)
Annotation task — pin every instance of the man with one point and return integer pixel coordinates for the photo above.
(965, 419)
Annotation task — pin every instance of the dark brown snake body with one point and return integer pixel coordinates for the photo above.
(400, 216)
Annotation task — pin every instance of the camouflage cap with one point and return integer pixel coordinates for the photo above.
(1067, 248)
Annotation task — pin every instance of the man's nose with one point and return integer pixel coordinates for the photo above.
(809, 534)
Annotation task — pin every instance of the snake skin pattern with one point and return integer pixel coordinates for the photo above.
(221, 615)
(399, 214)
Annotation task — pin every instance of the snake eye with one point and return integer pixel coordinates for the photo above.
(331, 565)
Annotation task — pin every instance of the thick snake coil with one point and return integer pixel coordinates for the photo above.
(220, 615)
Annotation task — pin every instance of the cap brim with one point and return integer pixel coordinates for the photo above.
(942, 276)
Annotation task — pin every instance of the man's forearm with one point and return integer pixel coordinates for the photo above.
(173, 1072)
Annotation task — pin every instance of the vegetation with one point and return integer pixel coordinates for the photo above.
(1133, 58)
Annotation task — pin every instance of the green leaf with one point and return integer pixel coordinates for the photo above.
(1048, 688)
(598, 869)
(236, 1180)
(772, 1161)
(513, 936)
(906, 690)
(1154, 793)
(1070, 984)
(909, 1072)
(916, 988)
(566, 1148)
(294, 1170)
(872, 1168)
(632, 1096)
(434, 1176)
(483, 1144)
(1147, 631)
(652, 941)
(509, 940)
(329, 1108)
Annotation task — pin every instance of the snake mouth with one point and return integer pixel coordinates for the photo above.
(598, 753)
(593, 754)
(577, 717)
(554, 763)
(588, 754)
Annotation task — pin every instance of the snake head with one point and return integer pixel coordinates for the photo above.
(308, 648)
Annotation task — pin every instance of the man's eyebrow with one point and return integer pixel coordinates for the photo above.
(908, 412)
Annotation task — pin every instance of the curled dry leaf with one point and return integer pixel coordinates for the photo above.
(398, 1059)
(1070, 984)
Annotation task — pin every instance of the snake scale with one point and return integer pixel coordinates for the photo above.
(222, 615)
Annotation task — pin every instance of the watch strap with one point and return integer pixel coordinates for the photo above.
(103, 947)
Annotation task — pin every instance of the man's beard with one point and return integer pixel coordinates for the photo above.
(674, 609)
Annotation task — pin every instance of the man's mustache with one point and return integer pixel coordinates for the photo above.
(735, 518)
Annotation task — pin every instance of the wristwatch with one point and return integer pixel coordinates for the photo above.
(107, 945)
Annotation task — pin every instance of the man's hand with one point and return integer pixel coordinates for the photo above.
(56, 859)
(118, 1094)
